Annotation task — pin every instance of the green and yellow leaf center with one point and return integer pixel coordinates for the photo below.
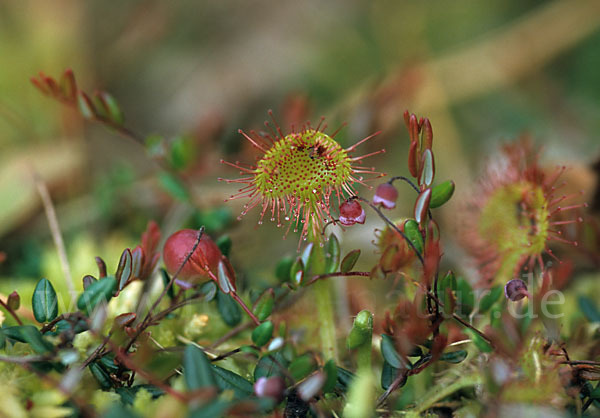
(303, 165)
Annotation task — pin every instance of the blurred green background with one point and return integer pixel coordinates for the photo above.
(193, 72)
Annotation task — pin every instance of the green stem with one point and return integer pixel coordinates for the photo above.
(326, 320)
(325, 301)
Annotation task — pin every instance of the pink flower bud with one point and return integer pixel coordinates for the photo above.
(386, 195)
(515, 290)
(272, 387)
(351, 212)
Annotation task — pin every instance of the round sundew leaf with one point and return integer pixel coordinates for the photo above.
(349, 261)
(441, 193)
(44, 302)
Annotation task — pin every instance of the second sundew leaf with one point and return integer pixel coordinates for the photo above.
(124, 269)
(332, 254)
(197, 370)
(44, 301)
(349, 261)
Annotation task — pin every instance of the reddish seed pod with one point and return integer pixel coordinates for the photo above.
(386, 195)
(206, 256)
(351, 212)
(515, 290)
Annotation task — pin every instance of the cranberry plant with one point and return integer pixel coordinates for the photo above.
(134, 339)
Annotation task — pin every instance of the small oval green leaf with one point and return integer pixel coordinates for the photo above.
(229, 309)
(97, 292)
(427, 168)
(302, 366)
(441, 193)
(262, 333)
(412, 232)
(124, 269)
(422, 205)
(489, 298)
(228, 380)
(332, 254)
(389, 353)
(454, 356)
(349, 261)
(44, 302)
(297, 271)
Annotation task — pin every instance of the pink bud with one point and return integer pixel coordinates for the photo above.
(515, 290)
(351, 212)
(272, 387)
(386, 195)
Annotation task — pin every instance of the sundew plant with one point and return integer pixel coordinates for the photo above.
(466, 301)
